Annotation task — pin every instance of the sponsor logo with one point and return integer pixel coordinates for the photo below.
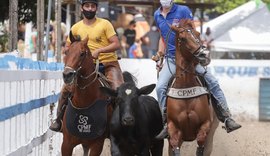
(83, 126)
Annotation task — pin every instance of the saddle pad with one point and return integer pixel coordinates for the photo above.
(184, 93)
(88, 122)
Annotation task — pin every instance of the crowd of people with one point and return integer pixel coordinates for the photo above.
(133, 46)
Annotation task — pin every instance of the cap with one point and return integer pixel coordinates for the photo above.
(89, 1)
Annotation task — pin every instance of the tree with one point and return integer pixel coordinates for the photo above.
(225, 6)
(26, 10)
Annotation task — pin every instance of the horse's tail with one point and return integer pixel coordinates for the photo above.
(128, 77)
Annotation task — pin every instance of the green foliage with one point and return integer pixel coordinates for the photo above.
(266, 1)
(27, 10)
(3, 42)
(179, 1)
(225, 6)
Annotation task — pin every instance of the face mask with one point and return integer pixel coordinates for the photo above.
(89, 14)
(166, 3)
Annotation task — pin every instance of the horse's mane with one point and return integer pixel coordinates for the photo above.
(186, 23)
(129, 78)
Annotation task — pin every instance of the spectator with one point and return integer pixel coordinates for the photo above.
(129, 35)
(135, 50)
(153, 34)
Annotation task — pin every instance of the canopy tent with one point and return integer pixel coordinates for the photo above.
(244, 29)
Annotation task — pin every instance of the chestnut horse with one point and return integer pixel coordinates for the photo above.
(189, 112)
(88, 112)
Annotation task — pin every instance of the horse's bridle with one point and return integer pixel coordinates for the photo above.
(200, 53)
(77, 73)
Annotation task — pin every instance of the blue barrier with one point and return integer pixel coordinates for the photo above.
(3, 63)
(22, 108)
(25, 63)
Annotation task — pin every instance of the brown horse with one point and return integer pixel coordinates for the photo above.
(88, 113)
(190, 116)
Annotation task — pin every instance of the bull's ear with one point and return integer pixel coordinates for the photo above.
(108, 91)
(147, 89)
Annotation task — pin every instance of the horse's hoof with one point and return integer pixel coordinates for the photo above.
(231, 125)
(176, 152)
(199, 151)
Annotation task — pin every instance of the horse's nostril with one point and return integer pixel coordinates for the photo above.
(69, 74)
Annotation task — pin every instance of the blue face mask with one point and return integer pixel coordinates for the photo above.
(89, 14)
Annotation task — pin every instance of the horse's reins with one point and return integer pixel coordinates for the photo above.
(196, 53)
(184, 70)
(85, 77)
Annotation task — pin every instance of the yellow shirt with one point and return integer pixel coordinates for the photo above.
(99, 33)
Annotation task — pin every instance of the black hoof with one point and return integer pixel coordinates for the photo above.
(176, 152)
(199, 151)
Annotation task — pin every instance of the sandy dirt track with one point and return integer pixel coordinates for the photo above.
(253, 139)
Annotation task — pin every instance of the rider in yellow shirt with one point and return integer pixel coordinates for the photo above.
(103, 44)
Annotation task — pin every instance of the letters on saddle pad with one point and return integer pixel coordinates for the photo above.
(184, 93)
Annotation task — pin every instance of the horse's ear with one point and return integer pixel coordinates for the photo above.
(108, 91)
(147, 89)
(71, 37)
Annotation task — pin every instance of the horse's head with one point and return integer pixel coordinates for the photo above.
(76, 59)
(188, 41)
(127, 99)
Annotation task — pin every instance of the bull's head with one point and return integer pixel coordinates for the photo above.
(127, 101)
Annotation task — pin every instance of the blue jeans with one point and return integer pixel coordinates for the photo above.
(168, 71)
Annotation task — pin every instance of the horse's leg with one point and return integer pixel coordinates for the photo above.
(208, 146)
(175, 139)
(201, 137)
(67, 148)
(97, 147)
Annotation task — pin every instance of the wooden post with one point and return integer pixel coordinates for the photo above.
(77, 11)
(40, 29)
(58, 32)
(13, 25)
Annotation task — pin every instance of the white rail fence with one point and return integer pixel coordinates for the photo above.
(28, 92)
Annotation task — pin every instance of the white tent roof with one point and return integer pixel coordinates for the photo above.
(244, 29)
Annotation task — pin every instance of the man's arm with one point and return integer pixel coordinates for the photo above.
(113, 46)
(161, 50)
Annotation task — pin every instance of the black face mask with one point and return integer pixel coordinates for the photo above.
(89, 14)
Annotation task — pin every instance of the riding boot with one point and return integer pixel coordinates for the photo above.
(62, 103)
(164, 132)
(224, 116)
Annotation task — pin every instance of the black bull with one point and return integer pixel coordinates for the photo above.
(136, 120)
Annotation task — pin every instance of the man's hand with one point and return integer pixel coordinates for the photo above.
(158, 58)
(96, 53)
